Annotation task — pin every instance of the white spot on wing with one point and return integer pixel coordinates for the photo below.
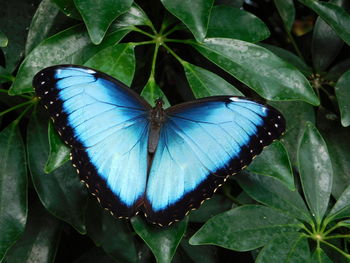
(234, 99)
(90, 71)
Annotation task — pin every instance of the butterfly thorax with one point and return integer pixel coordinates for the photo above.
(157, 117)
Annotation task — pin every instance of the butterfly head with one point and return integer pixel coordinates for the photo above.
(159, 103)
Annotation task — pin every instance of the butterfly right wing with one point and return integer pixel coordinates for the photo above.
(106, 125)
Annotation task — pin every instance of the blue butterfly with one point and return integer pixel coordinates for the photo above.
(134, 158)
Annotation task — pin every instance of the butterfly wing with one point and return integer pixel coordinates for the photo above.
(106, 125)
(200, 145)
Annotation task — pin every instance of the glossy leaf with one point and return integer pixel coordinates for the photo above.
(326, 44)
(135, 16)
(290, 58)
(59, 152)
(319, 256)
(60, 192)
(121, 67)
(244, 228)
(71, 46)
(152, 91)
(40, 239)
(68, 8)
(295, 119)
(259, 68)
(215, 205)
(315, 170)
(341, 209)
(42, 22)
(271, 192)
(274, 161)
(337, 70)
(226, 22)
(112, 234)
(13, 187)
(342, 92)
(195, 18)
(204, 83)
(15, 17)
(99, 15)
(3, 39)
(288, 247)
(286, 10)
(333, 15)
(162, 241)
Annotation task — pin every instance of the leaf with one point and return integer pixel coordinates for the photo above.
(162, 241)
(15, 17)
(337, 70)
(204, 83)
(99, 15)
(244, 228)
(286, 10)
(112, 234)
(341, 208)
(71, 46)
(274, 161)
(60, 192)
(319, 256)
(215, 205)
(13, 187)
(202, 254)
(315, 170)
(270, 192)
(194, 14)
(121, 67)
(3, 40)
(326, 44)
(227, 21)
(135, 16)
(40, 239)
(260, 69)
(59, 152)
(68, 8)
(333, 15)
(42, 22)
(151, 92)
(287, 247)
(342, 91)
(295, 121)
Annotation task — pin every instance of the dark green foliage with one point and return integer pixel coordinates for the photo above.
(292, 204)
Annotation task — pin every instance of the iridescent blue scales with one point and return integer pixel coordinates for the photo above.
(137, 158)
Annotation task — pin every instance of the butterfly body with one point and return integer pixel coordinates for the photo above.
(163, 162)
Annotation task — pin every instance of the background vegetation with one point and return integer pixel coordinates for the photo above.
(292, 204)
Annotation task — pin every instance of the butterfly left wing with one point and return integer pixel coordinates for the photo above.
(201, 143)
(106, 125)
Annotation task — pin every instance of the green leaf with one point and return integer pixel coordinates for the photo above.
(112, 234)
(342, 91)
(227, 21)
(99, 15)
(42, 22)
(274, 161)
(337, 70)
(260, 69)
(151, 92)
(71, 46)
(13, 187)
(61, 191)
(204, 83)
(215, 205)
(333, 15)
(3, 40)
(295, 120)
(200, 254)
(288, 247)
(40, 239)
(326, 44)
(290, 58)
(59, 152)
(315, 170)
(162, 241)
(122, 64)
(194, 14)
(286, 10)
(244, 228)
(271, 192)
(341, 208)
(15, 17)
(135, 16)
(68, 8)
(319, 256)
(345, 223)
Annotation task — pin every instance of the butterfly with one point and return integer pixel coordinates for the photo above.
(137, 158)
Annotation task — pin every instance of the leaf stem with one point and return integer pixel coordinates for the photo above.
(183, 41)
(154, 60)
(23, 113)
(292, 40)
(337, 236)
(18, 106)
(20, 95)
(336, 249)
(175, 28)
(331, 229)
(182, 62)
(143, 43)
(134, 28)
